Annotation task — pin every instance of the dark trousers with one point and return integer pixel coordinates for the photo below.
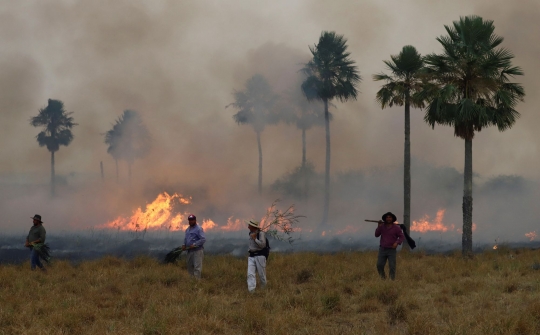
(390, 255)
(34, 260)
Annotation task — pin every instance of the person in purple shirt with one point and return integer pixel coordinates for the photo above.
(391, 236)
(193, 243)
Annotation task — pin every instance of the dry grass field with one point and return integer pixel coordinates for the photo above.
(497, 292)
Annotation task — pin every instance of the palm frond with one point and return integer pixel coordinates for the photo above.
(173, 255)
(43, 251)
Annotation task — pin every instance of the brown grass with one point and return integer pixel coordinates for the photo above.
(307, 294)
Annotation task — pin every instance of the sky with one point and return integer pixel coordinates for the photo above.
(178, 63)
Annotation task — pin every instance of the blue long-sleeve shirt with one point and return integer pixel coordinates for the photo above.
(194, 236)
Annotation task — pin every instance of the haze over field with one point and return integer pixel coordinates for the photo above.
(178, 63)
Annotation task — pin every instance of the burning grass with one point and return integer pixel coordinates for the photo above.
(498, 292)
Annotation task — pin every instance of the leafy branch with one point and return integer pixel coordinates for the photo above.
(280, 224)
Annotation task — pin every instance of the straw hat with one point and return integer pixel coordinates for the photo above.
(254, 224)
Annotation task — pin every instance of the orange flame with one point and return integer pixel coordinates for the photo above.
(424, 225)
(233, 225)
(156, 215)
(532, 235)
(159, 215)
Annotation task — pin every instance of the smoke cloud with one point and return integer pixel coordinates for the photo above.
(178, 63)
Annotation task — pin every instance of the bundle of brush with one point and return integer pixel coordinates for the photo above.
(43, 251)
(173, 255)
(280, 224)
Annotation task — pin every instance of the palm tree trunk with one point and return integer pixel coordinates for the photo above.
(116, 163)
(53, 181)
(327, 165)
(467, 201)
(303, 148)
(260, 162)
(407, 171)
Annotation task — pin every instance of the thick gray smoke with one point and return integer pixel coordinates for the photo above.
(177, 63)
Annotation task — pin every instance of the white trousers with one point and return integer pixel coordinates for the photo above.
(194, 263)
(256, 264)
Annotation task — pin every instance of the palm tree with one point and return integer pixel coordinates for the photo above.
(330, 74)
(402, 88)
(255, 105)
(112, 138)
(57, 124)
(128, 139)
(472, 89)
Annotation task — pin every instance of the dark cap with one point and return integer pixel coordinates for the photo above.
(192, 217)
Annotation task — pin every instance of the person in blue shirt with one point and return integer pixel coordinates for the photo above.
(193, 243)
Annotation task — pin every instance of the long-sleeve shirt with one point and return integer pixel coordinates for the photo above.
(194, 236)
(36, 232)
(389, 235)
(257, 244)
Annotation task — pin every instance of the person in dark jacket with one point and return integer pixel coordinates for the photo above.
(36, 234)
(391, 236)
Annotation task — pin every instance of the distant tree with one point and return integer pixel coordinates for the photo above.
(472, 89)
(255, 105)
(401, 88)
(128, 139)
(305, 114)
(330, 74)
(112, 139)
(57, 125)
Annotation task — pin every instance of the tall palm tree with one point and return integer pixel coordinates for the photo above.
(255, 105)
(57, 124)
(401, 88)
(471, 90)
(330, 74)
(128, 139)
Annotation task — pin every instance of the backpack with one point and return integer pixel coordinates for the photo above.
(266, 251)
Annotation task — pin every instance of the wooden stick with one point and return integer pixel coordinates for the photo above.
(371, 220)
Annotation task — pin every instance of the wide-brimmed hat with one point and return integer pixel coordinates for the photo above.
(254, 224)
(37, 217)
(394, 218)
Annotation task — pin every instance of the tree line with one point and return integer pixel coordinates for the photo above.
(468, 86)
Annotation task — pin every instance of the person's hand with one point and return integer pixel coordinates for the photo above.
(193, 246)
(26, 244)
(183, 247)
(395, 245)
(253, 236)
(381, 222)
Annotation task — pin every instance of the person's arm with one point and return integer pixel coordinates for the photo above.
(378, 230)
(400, 236)
(261, 241)
(41, 236)
(202, 238)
